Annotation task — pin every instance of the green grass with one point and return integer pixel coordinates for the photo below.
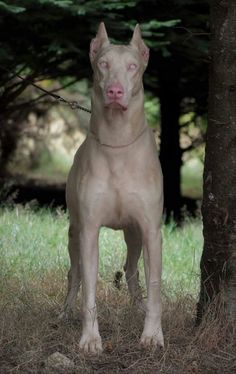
(33, 244)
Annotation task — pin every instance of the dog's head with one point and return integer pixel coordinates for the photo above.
(118, 69)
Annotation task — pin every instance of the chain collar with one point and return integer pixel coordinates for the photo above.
(118, 146)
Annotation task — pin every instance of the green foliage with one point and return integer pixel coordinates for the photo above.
(151, 30)
(108, 5)
(4, 6)
(59, 3)
(152, 110)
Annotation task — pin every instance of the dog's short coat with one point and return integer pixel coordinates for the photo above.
(116, 181)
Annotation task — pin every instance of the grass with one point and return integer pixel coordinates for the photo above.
(34, 264)
(34, 243)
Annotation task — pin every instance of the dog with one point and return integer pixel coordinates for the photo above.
(116, 181)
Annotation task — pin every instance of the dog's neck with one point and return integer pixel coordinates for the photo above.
(116, 126)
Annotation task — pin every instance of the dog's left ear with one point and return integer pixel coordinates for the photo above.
(138, 43)
(99, 41)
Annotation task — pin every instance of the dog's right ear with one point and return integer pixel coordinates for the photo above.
(100, 40)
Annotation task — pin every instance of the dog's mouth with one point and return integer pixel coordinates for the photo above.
(116, 105)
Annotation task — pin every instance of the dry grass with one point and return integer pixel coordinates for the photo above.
(30, 332)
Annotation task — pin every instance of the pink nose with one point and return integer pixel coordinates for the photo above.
(115, 91)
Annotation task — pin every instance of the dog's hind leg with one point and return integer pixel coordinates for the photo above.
(133, 241)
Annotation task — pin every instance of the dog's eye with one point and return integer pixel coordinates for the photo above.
(104, 65)
(132, 67)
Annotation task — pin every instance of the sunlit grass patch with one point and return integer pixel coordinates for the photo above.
(34, 243)
(182, 249)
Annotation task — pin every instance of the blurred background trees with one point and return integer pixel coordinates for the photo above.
(47, 41)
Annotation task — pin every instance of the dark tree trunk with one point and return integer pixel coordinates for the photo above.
(170, 153)
(218, 263)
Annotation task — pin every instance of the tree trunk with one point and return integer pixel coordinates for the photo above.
(218, 262)
(170, 153)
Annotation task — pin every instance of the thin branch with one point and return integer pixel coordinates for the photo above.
(192, 33)
(14, 74)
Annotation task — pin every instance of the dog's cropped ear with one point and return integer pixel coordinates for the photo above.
(138, 43)
(100, 40)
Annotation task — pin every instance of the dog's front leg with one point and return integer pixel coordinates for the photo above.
(152, 335)
(90, 341)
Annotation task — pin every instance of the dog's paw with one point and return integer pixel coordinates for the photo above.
(91, 344)
(152, 341)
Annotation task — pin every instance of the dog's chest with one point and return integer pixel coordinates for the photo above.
(117, 190)
(123, 195)
(120, 204)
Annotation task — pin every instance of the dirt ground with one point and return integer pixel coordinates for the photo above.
(30, 332)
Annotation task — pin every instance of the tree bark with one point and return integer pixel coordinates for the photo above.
(218, 262)
(170, 152)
